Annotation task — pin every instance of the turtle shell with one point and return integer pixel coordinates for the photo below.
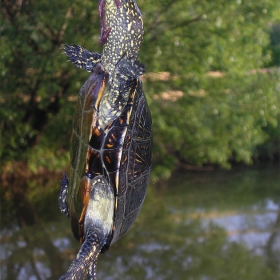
(121, 153)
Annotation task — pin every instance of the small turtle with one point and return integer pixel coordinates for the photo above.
(111, 147)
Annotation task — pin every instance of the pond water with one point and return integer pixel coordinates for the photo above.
(197, 225)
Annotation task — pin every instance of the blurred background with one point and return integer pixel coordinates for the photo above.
(212, 82)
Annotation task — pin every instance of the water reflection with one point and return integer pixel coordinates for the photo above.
(211, 225)
(252, 228)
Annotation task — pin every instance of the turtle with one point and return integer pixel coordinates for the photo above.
(115, 163)
(122, 34)
(111, 150)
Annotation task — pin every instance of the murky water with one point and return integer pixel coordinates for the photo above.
(198, 225)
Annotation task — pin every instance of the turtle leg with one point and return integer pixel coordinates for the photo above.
(104, 33)
(63, 195)
(81, 57)
(118, 3)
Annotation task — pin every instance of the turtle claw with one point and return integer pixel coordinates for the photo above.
(104, 35)
(81, 57)
(118, 3)
(63, 195)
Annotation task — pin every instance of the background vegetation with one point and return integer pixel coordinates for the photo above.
(213, 86)
(212, 80)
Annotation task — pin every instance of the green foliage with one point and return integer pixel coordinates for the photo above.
(35, 78)
(274, 46)
(215, 104)
(221, 122)
(219, 102)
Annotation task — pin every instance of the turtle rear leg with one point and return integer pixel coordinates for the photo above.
(63, 195)
(104, 33)
(81, 57)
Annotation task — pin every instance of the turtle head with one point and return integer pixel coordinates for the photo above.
(97, 227)
(100, 209)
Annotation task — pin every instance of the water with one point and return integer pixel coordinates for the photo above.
(197, 225)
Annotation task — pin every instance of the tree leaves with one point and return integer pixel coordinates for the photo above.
(211, 100)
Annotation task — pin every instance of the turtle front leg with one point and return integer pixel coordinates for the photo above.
(81, 57)
(63, 195)
(104, 33)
